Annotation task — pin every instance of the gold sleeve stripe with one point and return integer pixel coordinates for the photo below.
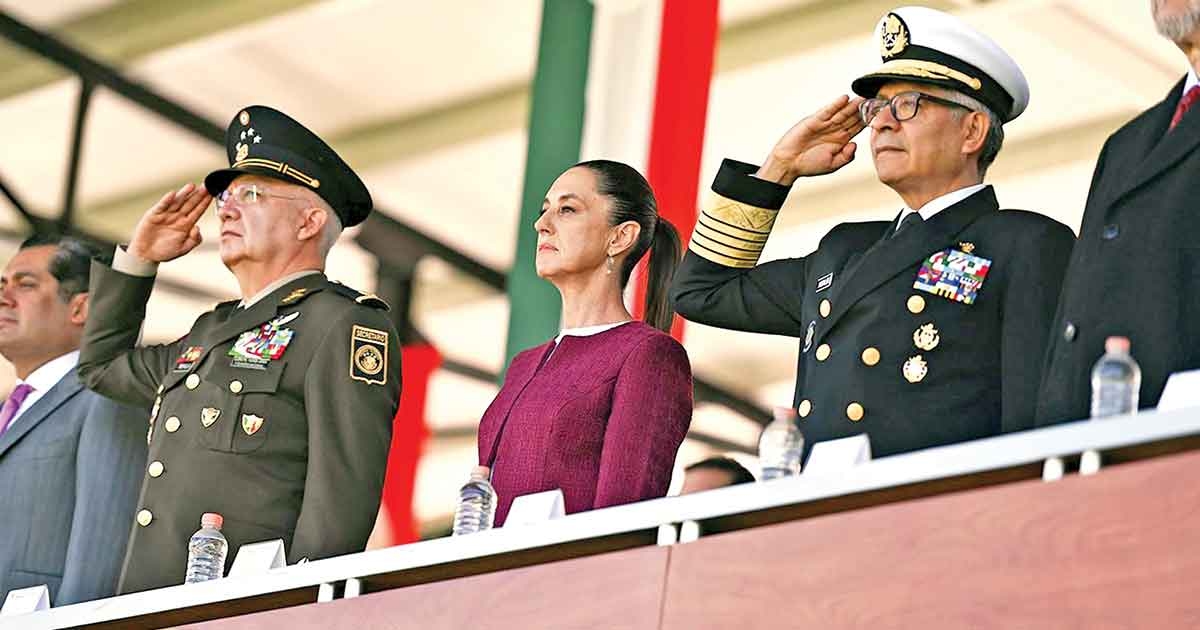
(751, 219)
(720, 258)
(730, 235)
(725, 241)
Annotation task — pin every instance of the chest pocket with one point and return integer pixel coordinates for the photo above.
(236, 420)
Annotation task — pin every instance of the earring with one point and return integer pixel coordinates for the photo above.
(608, 265)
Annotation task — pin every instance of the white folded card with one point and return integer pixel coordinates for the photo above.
(258, 557)
(838, 455)
(21, 601)
(1182, 391)
(535, 508)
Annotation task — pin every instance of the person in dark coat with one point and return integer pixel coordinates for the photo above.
(920, 331)
(274, 410)
(1135, 271)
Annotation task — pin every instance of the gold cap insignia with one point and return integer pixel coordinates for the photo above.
(926, 337)
(368, 355)
(251, 423)
(915, 369)
(209, 415)
(244, 117)
(893, 36)
(242, 151)
(967, 246)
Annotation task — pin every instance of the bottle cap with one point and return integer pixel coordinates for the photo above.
(481, 472)
(785, 413)
(1117, 344)
(212, 519)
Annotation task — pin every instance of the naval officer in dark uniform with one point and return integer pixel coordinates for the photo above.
(920, 331)
(274, 410)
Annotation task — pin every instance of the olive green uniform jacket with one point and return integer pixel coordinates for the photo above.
(277, 416)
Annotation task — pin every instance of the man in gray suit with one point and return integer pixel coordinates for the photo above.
(71, 461)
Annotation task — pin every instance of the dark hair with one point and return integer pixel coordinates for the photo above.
(71, 264)
(737, 472)
(633, 200)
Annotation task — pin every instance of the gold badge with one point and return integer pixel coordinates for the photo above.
(294, 296)
(251, 423)
(915, 369)
(209, 415)
(242, 151)
(244, 117)
(368, 355)
(916, 304)
(893, 36)
(926, 337)
(967, 247)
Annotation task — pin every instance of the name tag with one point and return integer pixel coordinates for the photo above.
(953, 274)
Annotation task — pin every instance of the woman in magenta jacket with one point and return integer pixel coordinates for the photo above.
(600, 410)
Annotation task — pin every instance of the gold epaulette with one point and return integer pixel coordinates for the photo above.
(731, 233)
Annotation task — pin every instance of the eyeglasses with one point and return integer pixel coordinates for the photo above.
(247, 194)
(903, 105)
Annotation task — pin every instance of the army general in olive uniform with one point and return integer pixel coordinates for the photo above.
(921, 331)
(274, 410)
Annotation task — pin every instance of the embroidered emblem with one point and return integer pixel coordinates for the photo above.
(368, 355)
(243, 150)
(188, 358)
(915, 369)
(967, 247)
(824, 282)
(209, 415)
(251, 423)
(808, 336)
(926, 337)
(893, 36)
(953, 274)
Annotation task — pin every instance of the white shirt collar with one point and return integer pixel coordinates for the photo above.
(51, 372)
(275, 285)
(1191, 81)
(938, 204)
(586, 331)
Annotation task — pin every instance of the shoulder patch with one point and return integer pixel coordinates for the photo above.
(368, 355)
(368, 299)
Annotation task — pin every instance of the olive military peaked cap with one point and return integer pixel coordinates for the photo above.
(265, 141)
(928, 46)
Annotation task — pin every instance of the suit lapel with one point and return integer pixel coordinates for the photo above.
(1153, 149)
(892, 256)
(235, 321)
(489, 435)
(43, 408)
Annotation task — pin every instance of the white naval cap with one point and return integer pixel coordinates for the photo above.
(928, 46)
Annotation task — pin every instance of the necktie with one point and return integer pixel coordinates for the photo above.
(1184, 105)
(909, 220)
(18, 395)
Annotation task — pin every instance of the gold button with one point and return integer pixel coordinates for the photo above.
(172, 424)
(855, 412)
(193, 381)
(823, 351)
(870, 356)
(916, 304)
(805, 408)
(235, 386)
(144, 517)
(156, 469)
(825, 308)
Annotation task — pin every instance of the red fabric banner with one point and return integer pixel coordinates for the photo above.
(687, 48)
(409, 434)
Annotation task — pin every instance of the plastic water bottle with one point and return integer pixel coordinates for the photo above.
(1116, 380)
(476, 503)
(781, 445)
(206, 550)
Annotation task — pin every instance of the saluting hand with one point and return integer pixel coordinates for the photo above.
(817, 145)
(168, 230)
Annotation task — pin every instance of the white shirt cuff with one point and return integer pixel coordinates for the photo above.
(129, 264)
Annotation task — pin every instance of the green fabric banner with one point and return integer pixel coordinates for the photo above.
(555, 133)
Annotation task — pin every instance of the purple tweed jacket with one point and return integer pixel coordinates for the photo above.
(601, 418)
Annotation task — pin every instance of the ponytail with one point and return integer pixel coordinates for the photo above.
(665, 252)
